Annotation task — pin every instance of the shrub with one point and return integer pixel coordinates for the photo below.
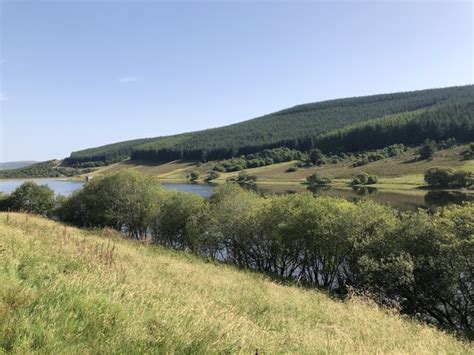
(317, 157)
(372, 180)
(245, 178)
(212, 175)
(318, 180)
(364, 179)
(360, 162)
(193, 176)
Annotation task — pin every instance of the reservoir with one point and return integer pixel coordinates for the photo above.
(402, 201)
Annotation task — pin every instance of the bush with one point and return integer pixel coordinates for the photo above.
(245, 178)
(212, 175)
(372, 180)
(317, 157)
(360, 162)
(364, 179)
(318, 180)
(193, 176)
(468, 154)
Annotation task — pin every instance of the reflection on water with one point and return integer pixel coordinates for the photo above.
(402, 201)
(443, 198)
(365, 190)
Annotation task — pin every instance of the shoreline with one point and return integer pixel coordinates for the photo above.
(341, 185)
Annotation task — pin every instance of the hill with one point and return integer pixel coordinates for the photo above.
(439, 112)
(76, 291)
(50, 168)
(15, 164)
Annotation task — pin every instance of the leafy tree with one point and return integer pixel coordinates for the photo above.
(33, 198)
(126, 201)
(316, 157)
(445, 177)
(427, 150)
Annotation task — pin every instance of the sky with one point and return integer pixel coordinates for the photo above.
(79, 74)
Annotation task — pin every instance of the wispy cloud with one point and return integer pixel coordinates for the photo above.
(129, 79)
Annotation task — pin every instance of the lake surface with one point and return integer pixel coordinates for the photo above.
(401, 201)
(60, 187)
(67, 187)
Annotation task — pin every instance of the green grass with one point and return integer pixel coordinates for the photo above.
(65, 290)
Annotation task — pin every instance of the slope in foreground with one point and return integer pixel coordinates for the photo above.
(66, 290)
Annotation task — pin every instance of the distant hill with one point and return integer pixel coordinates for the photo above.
(50, 168)
(304, 126)
(16, 164)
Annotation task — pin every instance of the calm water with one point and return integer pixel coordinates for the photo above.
(60, 187)
(67, 187)
(429, 199)
(400, 201)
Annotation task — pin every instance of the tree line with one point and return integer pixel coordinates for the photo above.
(418, 261)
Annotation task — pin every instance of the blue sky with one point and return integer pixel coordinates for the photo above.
(86, 73)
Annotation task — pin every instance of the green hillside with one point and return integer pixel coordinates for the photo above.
(299, 127)
(71, 291)
(16, 164)
(49, 168)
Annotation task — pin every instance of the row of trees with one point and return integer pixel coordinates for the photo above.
(303, 127)
(266, 157)
(422, 262)
(446, 177)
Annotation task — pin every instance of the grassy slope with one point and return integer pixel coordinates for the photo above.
(58, 295)
(398, 173)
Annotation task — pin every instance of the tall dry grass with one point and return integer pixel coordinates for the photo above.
(65, 290)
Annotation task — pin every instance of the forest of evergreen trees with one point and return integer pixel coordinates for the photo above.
(351, 124)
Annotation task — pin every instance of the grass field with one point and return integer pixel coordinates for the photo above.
(400, 173)
(69, 291)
